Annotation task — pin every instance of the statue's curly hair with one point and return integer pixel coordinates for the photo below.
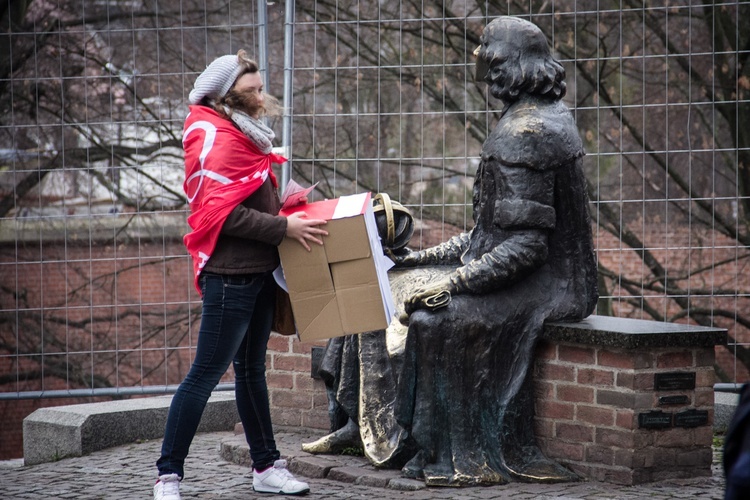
(529, 67)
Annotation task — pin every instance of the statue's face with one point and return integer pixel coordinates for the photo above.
(498, 46)
(501, 64)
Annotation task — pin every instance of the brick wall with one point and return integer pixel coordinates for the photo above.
(296, 398)
(587, 404)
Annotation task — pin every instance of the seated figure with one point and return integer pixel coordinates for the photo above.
(455, 395)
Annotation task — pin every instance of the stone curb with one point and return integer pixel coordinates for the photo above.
(50, 434)
(341, 468)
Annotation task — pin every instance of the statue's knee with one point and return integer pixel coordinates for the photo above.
(418, 318)
(422, 322)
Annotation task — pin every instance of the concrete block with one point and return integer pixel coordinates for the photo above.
(235, 450)
(314, 467)
(346, 474)
(378, 478)
(628, 333)
(404, 484)
(725, 404)
(50, 434)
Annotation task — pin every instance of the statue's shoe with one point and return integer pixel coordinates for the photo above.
(337, 441)
(414, 468)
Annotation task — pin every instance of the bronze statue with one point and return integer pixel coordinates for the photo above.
(462, 407)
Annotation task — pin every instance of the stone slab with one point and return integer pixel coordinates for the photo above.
(235, 450)
(50, 434)
(404, 484)
(347, 474)
(311, 466)
(627, 333)
(378, 478)
(725, 404)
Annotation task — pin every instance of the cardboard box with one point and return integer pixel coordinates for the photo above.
(342, 287)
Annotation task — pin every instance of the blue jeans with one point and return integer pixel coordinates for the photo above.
(235, 326)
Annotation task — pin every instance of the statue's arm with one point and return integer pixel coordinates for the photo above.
(519, 255)
(525, 215)
(446, 253)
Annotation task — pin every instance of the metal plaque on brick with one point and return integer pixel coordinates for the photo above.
(678, 399)
(674, 381)
(691, 418)
(656, 419)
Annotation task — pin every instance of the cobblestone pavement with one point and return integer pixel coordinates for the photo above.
(216, 469)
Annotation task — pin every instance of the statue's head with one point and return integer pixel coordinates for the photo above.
(514, 58)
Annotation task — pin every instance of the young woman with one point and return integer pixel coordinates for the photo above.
(235, 229)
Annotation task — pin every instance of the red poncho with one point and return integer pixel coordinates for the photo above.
(222, 168)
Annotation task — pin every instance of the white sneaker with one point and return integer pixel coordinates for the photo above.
(278, 479)
(167, 487)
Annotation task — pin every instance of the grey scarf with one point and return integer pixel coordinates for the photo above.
(254, 129)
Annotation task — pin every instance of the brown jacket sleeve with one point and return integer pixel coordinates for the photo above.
(251, 224)
(250, 234)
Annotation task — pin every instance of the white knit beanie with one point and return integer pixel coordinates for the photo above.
(216, 79)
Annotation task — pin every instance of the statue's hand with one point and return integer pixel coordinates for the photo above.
(432, 296)
(408, 259)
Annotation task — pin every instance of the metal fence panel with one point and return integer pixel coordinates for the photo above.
(96, 293)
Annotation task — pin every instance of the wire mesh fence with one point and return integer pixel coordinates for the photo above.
(96, 294)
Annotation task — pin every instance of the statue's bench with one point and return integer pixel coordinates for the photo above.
(627, 401)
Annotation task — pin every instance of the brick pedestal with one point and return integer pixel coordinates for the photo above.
(599, 410)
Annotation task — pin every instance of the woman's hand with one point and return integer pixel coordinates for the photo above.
(299, 228)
